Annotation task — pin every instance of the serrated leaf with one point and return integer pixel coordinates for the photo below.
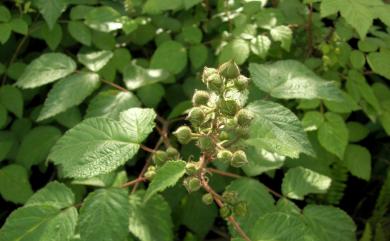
(95, 146)
(68, 92)
(15, 186)
(289, 79)
(29, 152)
(166, 176)
(39, 223)
(358, 161)
(257, 198)
(95, 60)
(45, 69)
(80, 32)
(379, 62)
(237, 50)
(260, 46)
(282, 34)
(139, 121)
(12, 99)
(175, 52)
(54, 194)
(276, 129)
(333, 134)
(300, 181)
(104, 19)
(150, 220)
(110, 103)
(51, 10)
(135, 76)
(104, 215)
(328, 223)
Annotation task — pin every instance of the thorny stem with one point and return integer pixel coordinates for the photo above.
(217, 198)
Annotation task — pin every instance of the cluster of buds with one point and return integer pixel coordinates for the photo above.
(218, 120)
(159, 158)
(233, 205)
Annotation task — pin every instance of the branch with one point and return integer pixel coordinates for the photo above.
(133, 182)
(309, 30)
(147, 149)
(118, 87)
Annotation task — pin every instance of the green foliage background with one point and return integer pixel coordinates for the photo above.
(104, 70)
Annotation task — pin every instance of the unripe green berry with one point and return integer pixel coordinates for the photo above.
(207, 199)
(160, 157)
(207, 72)
(196, 116)
(192, 168)
(223, 136)
(241, 82)
(183, 134)
(240, 208)
(214, 82)
(225, 156)
(225, 211)
(205, 143)
(230, 197)
(244, 117)
(200, 97)
(239, 159)
(229, 70)
(172, 153)
(192, 184)
(228, 107)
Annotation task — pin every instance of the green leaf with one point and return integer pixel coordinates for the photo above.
(198, 55)
(104, 215)
(45, 69)
(15, 186)
(357, 59)
(95, 60)
(29, 153)
(5, 14)
(300, 181)
(51, 10)
(260, 46)
(5, 32)
(40, 223)
(156, 6)
(166, 176)
(191, 34)
(312, 120)
(151, 95)
(282, 34)
(276, 129)
(357, 131)
(3, 116)
(69, 118)
(8, 140)
(138, 121)
(150, 220)
(135, 76)
(80, 32)
(328, 223)
(173, 51)
(95, 146)
(289, 79)
(379, 63)
(257, 197)
(68, 92)
(54, 194)
(19, 25)
(333, 134)
(237, 50)
(12, 99)
(110, 103)
(278, 226)
(104, 19)
(358, 161)
(52, 36)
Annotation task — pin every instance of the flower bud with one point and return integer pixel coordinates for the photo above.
(244, 117)
(231, 124)
(225, 156)
(183, 134)
(230, 197)
(200, 97)
(172, 153)
(150, 173)
(240, 208)
(228, 107)
(223, 136)
(205, 143)
(214, 82)
(241, 82)
(196, 116)
(160, 157)
(239, 159)
(192, 184)
(225, 212)
(207, 72)
(207, 199)
(229, 70)
(243, 132)
(192, 168)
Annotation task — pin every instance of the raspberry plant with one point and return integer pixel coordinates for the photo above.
(113, 129)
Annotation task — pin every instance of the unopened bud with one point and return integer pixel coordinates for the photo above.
(160, 157)
(205, 143)
(228, 107)
(196, 116)
(172, 153)
(239, 159)
(200, 97)
(225, 211)
(183, 134)
(241, 82)
(207, 199)
(223, 136)
(214, 82)
(225, 156)
(150, 172)
(244, 117)
(229, 70)
(192, 168)
(207, 72)
(230, 197)
(192, 184)
(240, 208)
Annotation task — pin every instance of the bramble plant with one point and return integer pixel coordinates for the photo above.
(194, 120)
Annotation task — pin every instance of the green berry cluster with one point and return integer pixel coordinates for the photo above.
(233, 205)
(218, 119)
(159, 158)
